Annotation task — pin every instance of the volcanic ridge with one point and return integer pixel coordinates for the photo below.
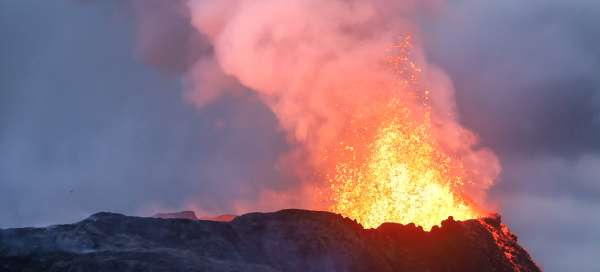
(287, 240)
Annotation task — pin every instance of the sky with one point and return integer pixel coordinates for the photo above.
(93, 120)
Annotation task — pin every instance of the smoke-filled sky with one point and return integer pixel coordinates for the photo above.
(103, 106)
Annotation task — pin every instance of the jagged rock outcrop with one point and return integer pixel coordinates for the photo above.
(288, 240)
(191, 215)
(220, 218)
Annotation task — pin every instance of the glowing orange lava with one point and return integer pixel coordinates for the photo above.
(391, 169)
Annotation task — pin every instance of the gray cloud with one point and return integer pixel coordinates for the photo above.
(560, 233)
(86, 126)
(525, 73)
(553, 177)
(165, 37)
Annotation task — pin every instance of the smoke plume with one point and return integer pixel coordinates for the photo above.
(319, 64)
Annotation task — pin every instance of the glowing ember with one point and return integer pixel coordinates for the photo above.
(390, 168)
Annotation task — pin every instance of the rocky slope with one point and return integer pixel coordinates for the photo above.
(288, 240)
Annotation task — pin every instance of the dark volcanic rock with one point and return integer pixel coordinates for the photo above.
(177, 215)
(220, 218)
(191, 215)
(288, 240)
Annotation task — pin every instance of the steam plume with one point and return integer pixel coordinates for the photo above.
(319, 64)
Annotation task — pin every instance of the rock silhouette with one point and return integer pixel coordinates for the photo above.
(288, 240)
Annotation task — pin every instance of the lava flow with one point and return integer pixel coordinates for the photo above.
(391, 168)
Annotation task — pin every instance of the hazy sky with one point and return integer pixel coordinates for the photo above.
(87, 123)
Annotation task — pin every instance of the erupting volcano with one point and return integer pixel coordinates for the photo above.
(392, 169)
(386, 177)
(402, 178)
(371, 119)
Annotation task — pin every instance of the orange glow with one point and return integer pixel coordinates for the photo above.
(389, 168)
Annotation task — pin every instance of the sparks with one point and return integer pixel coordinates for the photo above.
(392, 170)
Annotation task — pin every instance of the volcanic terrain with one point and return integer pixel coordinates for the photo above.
(288, 240)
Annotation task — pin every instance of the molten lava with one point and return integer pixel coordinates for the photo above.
(390, 168)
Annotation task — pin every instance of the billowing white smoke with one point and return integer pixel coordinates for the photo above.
(316, 63)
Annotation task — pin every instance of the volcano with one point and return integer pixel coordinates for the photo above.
(288, 240)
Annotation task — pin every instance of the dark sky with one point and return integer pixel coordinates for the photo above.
(88, 123)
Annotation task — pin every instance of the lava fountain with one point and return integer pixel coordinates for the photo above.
(375, 133)
(399, 177)
(391, 169)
